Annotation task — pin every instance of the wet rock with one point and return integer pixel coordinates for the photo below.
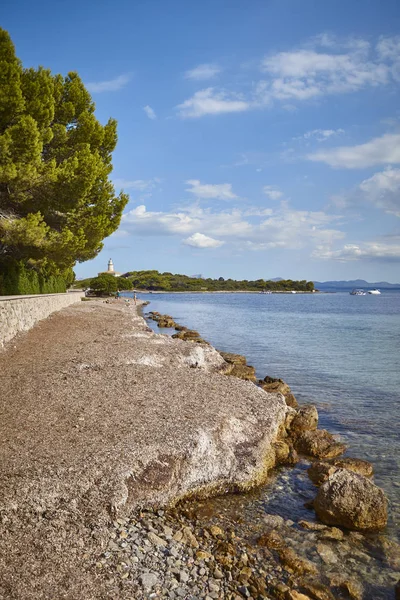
(352, 588)
(332, 533)
(352, 501)
(327, 554)
(271, 539)
(317, 590)
(180, 327)
(295, 595)
(165, 321)
(319, 443)
(294, 563)
(306, 419)
(234, 359)
(282, 451)
(272, 384)
(362, 467)
(243, 372)
(291, 400)
(273, 521)
(312, 526)
(320, 471)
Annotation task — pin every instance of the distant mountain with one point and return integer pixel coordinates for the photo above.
(355, 283)
(277, 279)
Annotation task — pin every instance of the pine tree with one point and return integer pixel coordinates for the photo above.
(57, 203)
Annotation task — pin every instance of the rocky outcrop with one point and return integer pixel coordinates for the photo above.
(121, 418)
(234, 359)
(319, 444)
(352, 501)
(320, 471)
(243, 372)
(271, 384)
(306, 419)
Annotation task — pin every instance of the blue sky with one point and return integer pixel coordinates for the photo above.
(257, 138)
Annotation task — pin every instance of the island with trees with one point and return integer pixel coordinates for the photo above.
(154, 281)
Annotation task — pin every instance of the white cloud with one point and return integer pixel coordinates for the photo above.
(112, 85)
(199, 240)
(220, 191)
(369, 251)
(141, 185)
(257, 230)
(321, 135)
(381, 150)
(211, 102)
(383, 190)
(323, 66)
(203, 72)
(272, 192)
(149, 112)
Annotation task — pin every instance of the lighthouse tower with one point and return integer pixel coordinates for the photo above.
(110, 270)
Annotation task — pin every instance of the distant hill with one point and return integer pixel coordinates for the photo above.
(355, 283)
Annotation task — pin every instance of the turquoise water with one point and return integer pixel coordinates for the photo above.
(337, 351)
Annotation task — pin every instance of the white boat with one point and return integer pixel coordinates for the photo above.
(374, 292)
(358, 292)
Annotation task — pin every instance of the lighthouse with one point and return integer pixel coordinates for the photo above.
(110, 270)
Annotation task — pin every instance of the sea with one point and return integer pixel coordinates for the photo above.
(337, 351)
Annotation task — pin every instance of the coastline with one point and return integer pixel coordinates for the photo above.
(130, 389)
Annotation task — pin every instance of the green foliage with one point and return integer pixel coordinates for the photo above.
(16, 279)
(153, 280)
(124, 284)
(104, 284)
(56, 201)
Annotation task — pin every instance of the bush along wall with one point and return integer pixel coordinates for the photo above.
(16, 279)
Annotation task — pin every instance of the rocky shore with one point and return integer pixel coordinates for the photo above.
(110, 426)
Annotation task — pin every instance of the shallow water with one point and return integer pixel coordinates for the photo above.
(337, 351)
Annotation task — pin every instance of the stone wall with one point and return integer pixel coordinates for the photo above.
(20, 313)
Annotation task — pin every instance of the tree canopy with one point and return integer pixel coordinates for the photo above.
(57, 203)
(153, 280)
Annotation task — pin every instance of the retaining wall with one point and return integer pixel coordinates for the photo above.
(20, 313)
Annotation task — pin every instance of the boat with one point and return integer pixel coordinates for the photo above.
(265, 292)
(375, 292)
(358, 292)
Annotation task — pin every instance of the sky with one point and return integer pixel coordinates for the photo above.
(257, 138)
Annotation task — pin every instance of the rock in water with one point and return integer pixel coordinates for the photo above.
(352, 501)
(319, 443)
(306, 419)
(272, 384)
(320, 471)
(234, 359)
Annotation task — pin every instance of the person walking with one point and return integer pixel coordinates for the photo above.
(134, 297)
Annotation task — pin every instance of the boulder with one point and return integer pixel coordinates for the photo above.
(320, 471)
(165, 322)
(243, 372)
(317, 590)
(319, 443)
(362, 467)
(306, 419)
(291, 400)
(272, 384)
(350, 500)
(235, 359)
